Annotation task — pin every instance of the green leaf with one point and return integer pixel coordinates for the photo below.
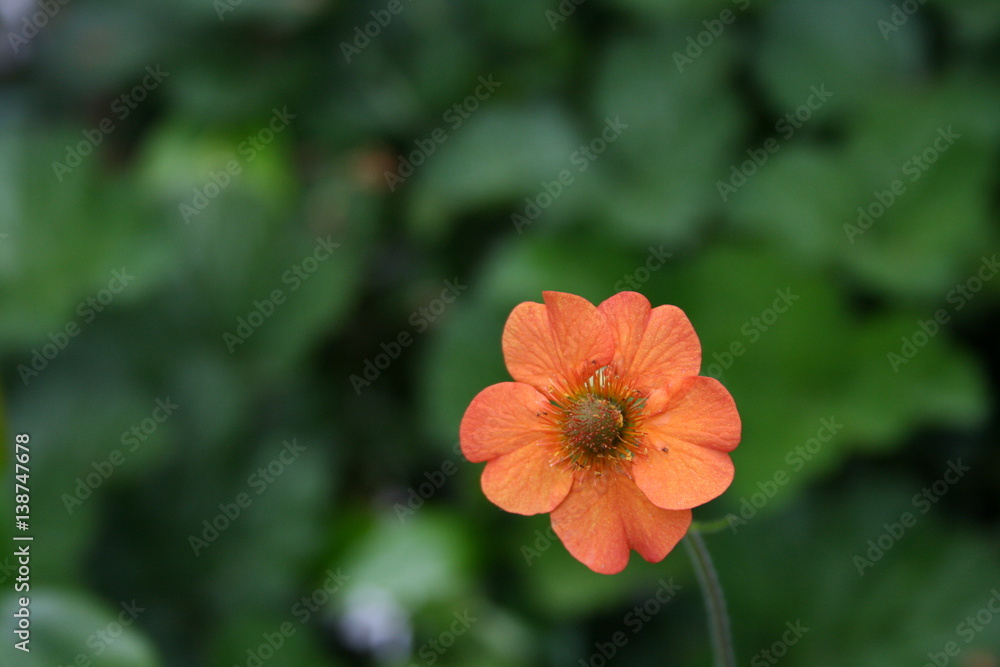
(66, 625)
(525, 146)
(682, 127)
(867, 618)
(838, 44)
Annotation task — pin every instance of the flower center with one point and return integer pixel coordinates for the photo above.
(594, 424)
(599, 420)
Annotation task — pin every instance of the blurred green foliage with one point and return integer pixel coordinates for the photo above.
(279, 285)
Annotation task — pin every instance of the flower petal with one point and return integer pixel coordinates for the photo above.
(651, 344)
(687, 461)
(555, 341)
(525, 481)
(502, 418)
(603, 517)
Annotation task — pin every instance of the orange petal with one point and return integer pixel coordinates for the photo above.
(603, 517)
(555, 341)
(502, 418)
(651, 344)
(525, 481)
(687, 461)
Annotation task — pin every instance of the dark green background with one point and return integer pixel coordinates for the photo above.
(653, 191)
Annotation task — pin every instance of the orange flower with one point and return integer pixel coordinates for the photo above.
(607, 426)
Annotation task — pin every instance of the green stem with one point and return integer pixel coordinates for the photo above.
(715, 601)
(709, 527)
